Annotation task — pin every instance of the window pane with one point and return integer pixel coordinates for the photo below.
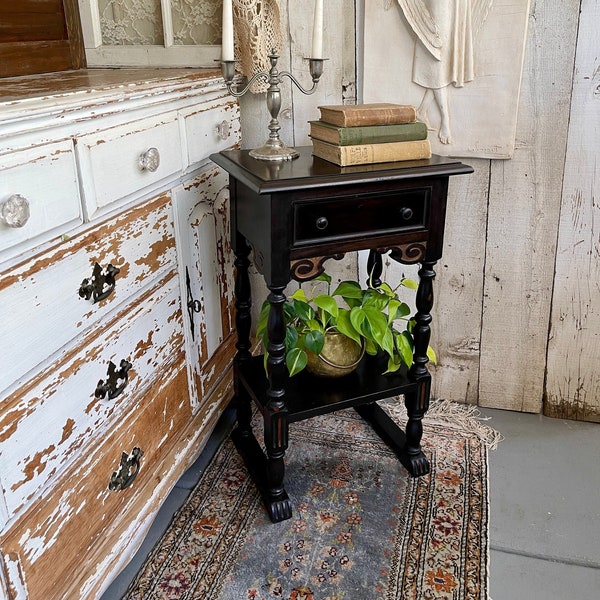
(131, 22)
(196, 22)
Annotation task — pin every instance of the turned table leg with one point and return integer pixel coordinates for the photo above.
(275, 417)
(417, 403)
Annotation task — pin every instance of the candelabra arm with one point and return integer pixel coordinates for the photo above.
(228, 74)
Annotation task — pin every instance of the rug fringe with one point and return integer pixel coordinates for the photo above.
(456, 415)
(464, 416)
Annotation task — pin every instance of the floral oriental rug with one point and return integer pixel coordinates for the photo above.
(362, 528)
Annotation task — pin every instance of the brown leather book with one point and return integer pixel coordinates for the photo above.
(381, 113)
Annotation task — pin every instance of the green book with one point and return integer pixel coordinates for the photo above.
(370, 134)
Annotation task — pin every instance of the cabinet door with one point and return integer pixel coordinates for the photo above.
(201, 208)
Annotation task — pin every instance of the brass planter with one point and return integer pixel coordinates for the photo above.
(340, 356)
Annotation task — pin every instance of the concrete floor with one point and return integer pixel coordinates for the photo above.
(545, 509)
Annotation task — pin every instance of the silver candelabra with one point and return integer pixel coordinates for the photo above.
(273, 149)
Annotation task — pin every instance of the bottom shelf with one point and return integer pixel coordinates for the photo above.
(308, 395)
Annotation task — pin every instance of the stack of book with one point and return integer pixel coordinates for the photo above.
(369, 133)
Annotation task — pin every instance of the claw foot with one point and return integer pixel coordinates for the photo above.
(416, 464)
(279, 510)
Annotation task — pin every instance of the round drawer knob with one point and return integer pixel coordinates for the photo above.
(406, 213)
(14, 211)
(223, 130)
(322, 223)
(150, 160)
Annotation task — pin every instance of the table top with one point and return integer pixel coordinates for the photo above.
(267, 177)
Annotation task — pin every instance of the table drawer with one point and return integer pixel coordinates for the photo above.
(45, 425)
(112, 162)
(40, 300)
(361, 216)
(45, 179)
(58, 536)
(211, 127)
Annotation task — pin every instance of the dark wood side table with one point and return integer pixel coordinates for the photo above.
(294, 215)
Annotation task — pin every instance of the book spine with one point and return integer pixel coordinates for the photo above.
(380, 134)
(374, 153)
(355, 116)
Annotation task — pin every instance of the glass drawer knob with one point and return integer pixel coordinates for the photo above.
(223, 130)
(150, 160)
(14, 211)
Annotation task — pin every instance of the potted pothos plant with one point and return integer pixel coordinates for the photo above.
(329, 332)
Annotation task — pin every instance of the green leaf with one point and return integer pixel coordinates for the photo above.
(377, 322)
(344, 325)
(323, 277)
(314, 341)
(357, 318)
(295, 360)
(303, 311)
(348, 289)
(376, 300)
(261, 327)
(431, 355)
(327, 303)
(393, 365)
(299, 294)
(314, 325)
(404, 348)
(411, 284)
(291, 337)
(387, 290)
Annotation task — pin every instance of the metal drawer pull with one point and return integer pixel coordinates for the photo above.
(149, 160)
(100, 285)
(116, 380)
(222, 130)
(322, 223)
(406, 213)
(14, 211)
(129, 467)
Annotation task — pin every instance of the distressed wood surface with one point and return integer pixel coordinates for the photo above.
(573, 380)
(524, 204)
(72, 519)
(43, 292)
(456, 325)
(45, 425)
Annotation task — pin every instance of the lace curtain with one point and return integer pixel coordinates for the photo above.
(197, 22)
(140, 22)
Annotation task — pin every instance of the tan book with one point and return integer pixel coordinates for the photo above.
(365, 154)
(381, 113)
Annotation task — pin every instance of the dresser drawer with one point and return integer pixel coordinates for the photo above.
(47, 423)
(355, 217)
(117, 163)
(40, 300)
(44, 179)
(60, 533)
(211, 127)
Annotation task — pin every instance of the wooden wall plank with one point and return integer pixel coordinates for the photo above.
(28, 58)
(523, 217)
(456, 325)
(573, 377)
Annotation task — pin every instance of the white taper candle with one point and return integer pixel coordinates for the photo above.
(317, 40)
(227, 36)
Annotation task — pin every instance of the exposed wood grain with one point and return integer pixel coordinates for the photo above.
(573, 377)
(523, 215)
(456, 326)
(71, 521)
(28, 58)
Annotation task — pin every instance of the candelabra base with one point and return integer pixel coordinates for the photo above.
(275, 150)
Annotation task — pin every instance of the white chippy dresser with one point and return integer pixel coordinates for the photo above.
(115, 300)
